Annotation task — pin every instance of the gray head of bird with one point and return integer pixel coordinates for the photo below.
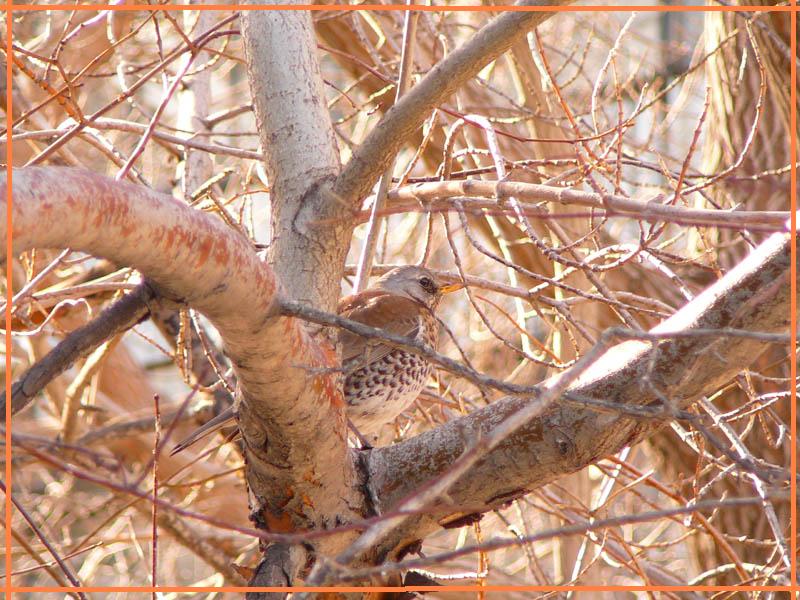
(416, 283)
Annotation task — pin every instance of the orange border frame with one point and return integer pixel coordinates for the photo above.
(793, 8)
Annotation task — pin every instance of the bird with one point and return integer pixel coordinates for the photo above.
(380, 380)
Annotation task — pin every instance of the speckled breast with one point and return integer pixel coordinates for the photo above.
(380, 391)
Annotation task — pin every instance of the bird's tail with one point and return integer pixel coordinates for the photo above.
(215, 424)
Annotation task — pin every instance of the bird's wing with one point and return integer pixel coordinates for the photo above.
(375, 308)
(209, 427)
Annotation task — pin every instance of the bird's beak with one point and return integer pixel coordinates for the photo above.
(451, 287)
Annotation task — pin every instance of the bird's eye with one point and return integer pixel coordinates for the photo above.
(428, 285)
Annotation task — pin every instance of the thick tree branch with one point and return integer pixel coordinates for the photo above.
(284, 387)
(310, 237)
(310, 231)
(753, 296)
(373, 156)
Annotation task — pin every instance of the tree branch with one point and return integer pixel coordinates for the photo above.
(121, 316)
(753, 296)
(436, 194)
(310, 230)
(373, 156)
(285, 388)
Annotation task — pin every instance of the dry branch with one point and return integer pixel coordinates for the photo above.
(373, 156)
(118, 318)
(195, 258)
(753, 296)
(654, 209)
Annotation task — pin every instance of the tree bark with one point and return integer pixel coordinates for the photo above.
(293, 422)
(197, 259)
(752, 296)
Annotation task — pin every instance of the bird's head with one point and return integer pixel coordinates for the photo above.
(416, 283)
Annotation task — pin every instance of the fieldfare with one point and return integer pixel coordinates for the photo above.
(381, 381)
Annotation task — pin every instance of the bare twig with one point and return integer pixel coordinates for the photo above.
(121, 316)
(43, 538)
(403, 81)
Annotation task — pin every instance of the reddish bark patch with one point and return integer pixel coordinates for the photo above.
(278, 522)
(222, 256)
(324, 386)
(203, 252)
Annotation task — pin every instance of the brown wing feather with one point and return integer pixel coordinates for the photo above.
(375, 308)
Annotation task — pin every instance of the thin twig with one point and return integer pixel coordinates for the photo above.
(403, 81)
(43, 538)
